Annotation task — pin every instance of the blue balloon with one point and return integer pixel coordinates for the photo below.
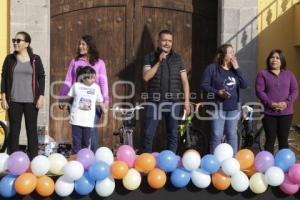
(99, 171)
(180, 177)
(167, 161)
(284, 159)
(84, 185)
(210, 163)
(7, 186)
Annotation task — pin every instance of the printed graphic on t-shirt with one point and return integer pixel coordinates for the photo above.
(229, 83)
(85, 104)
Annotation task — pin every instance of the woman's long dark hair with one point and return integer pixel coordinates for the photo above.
(27, 38)
(281, 57)
(221, 53)
(92, 49)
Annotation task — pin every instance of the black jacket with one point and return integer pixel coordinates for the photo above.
(38, 75)
(175, 63)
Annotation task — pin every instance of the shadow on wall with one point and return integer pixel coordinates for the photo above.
(133, 73)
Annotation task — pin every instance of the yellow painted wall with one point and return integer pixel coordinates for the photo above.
(4, 35)
(276, 29)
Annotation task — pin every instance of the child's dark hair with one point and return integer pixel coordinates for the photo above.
(84, 72)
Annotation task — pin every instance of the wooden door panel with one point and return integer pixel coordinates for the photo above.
(151, 17)
(125, 31)
(108, 26)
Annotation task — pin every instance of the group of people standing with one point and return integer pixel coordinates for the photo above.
(86, 88)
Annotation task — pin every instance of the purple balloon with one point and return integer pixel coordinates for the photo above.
(18, 163)
(86, 157)
(127, 154)
(288, 187)
(263, 161)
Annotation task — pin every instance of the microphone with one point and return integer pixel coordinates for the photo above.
(160, 52)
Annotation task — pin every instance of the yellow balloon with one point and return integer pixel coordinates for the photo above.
(132, 180)
(258, 183)
(57, 163)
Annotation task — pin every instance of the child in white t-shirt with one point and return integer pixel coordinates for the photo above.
(86, 95)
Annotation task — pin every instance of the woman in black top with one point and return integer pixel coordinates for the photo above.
(22, 91)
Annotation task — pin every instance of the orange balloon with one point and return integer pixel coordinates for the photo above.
(250, 171)
(157, 178)
(220, 180)
(245, 158)
(25, 183)
(119, 169)
(45, 186)
(145, 163)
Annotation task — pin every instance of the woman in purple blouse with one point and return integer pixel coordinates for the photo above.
(277, 89)
(88, 55)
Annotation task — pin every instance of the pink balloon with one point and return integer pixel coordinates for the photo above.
(288, 187)
(294, 173)
(127, 154)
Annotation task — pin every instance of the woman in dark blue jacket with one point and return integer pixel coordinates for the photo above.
(222, 81)
(22, 92)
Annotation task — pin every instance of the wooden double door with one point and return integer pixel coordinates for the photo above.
(124, 30)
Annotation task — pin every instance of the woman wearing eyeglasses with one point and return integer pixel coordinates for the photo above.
(88, 55)
(22, 92)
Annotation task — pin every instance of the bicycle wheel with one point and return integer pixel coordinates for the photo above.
(3, 136)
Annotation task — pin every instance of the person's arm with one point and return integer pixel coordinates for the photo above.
(103, 82)
(186, 90)
(4, 103)
(260, 88)
(150, 71)
(206, 80)
(293, 90)
(100, 102)
(69, 79)
(41, 82)
(243, 83)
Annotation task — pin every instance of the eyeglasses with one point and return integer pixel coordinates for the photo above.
(16, 40)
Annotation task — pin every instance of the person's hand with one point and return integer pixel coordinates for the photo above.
(40, 102)
(187, 107)
(162, 56)
(224, 94)
(104, 108)
(234, 63)
(4, 104)
(282, 105)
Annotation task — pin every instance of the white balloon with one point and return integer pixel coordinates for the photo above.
(274, 176)
(191, 160)
(132, 180)
(57, 163)
(230, 166)
(223, 151)
(201, 178)
(73, 170)
(40, 165)
(105, 187)
(3, 162)
(258, 183)
(240, 182)
(63, 187)
(104, 154)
